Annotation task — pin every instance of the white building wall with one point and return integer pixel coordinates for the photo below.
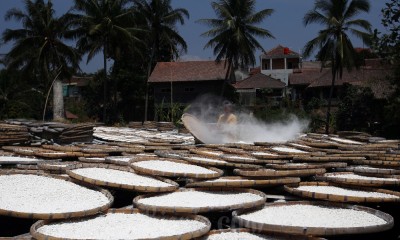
(281, 74)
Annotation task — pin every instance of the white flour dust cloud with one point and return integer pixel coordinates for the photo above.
(207, 108)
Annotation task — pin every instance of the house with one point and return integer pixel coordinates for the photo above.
(72, 88)
(314, 81)
(259, 87)
(183, 82)
(280, 62)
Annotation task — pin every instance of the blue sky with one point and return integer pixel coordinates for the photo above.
(285, 24)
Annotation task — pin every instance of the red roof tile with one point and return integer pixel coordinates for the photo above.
(323, 78)
(188, 71)
(259, 80)
(279, 52)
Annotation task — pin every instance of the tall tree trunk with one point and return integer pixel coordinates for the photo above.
(58, 101)
(105, 103)
(328, 111)
(227, 75)
(146, 104)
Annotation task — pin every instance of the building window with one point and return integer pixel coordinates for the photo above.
(165, 90)
(189, 89)
(290, 65)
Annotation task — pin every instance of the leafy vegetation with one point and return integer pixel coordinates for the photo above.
(333, 42)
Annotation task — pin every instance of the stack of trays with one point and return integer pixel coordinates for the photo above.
(10, 134)
(76, 133)
(136, 125)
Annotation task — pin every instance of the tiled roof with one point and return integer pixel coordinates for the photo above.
(188, 71)
(259, 80)
(355, 76)
(279, 52)
(317, 77)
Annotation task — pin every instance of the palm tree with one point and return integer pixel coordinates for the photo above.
(164, 41)
(333, 41)
(233, 33)
(104, 26)
(39, 48)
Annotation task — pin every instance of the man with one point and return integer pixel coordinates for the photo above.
(227, 123)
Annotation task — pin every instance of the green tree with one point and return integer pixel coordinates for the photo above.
(39, 48)
(235, 30)
(164, 42)
(105, 26)
(389, 47)
(333, 41)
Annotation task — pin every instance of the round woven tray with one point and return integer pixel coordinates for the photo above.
(62, 148)
(277, 236)
(378, 163)
(55, 166)
(219, 163)
(326, 159)
(243, 159)
(14, 160)
(388, 157)
(231, 150)
(170, 154)
(367, 169)
(154, 172)
(99, 182)
(240, 182)
(297, 166)
(292, 189)
(282, 173)
(27, 167)
(206, 152)
(268, 156)
(315, 231)
(194, 210)
(119, 160)
(190, 235)
(299, 153)
(330, 177)
(64, 215)
(92, 159)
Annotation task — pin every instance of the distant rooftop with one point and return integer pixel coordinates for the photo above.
(280, 52)
(188, 71)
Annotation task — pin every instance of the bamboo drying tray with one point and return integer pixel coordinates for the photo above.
(190, 235)
(367, 169)
(65, 215)
(154, 172)
(232, 150)
(62, 148)
(206, 152)
(273, 156)
(378, 163)
(102, 183)
(243, 159)
(330, 177)
(297, 166)
(292, 189)
(327, 159)
(13, 160)
(194, 210)
(300, 153)
(92, 159)
(27, 167)
(282, 173)
(269, 235)
(240, 182)
(219, 163)
(115, 160)
(315, 231)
